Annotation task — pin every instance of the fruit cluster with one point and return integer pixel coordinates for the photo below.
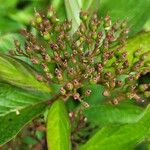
(94, 54)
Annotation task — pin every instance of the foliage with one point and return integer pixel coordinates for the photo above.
(115, 119)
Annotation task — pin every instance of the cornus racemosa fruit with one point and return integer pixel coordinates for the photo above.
(94, 54)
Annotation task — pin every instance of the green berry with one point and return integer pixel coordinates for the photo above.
(94, 35)
(69, 86)
(83, 16)
(106, 93)
(38, 20)
(147, 94)
(143, 87)
(62, 91)
(60, 77)
(46, 36)
(50, 13)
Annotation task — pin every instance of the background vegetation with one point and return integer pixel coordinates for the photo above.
(128, 123)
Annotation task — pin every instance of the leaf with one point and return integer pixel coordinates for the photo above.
(11, 124)
(7, 43)
(147, 25)
(136, 11)
(58, 127)
(104, 114)
(120, 136)
(9, 25)
(73, 8)
(145, 145)
(17, 108)
(14, 72)
(140, 41)
(8, 4)
(91, 5)
(96, 95)
(59, 7)
(23, 17)
(25, 14)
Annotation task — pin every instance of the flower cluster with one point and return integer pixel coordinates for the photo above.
(94, 54)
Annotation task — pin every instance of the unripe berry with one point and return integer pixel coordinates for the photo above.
(62, 91)
(115, 101)
(94, 35)
(65, 63)
(33, 23)
(108, 75)
(147, 94)
(39, 77)
(69, 86)
(106, 93)
(143, 87)
(59, 77)
(85, 104)
(124, 24)
(94, 80)
(69, 26)
(76, 96)
(47, 58)
(34, 60)
(76, 83)
(50, 12)
(46, 36)
(87, 92)
(107, 22)
(54, 20)
(119, 83)
(38, 18)
(112, 83)
(119, 71)
(49, 75)
(83, 16)
(126, 64)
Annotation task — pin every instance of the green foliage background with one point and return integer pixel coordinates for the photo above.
(122, 127)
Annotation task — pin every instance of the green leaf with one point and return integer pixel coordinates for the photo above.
(11, 124)
(8, 4)
(7, 43)
(59, 7)
(14, 72)
(147, 25)
(73, 8)
(142, 41)
(58, 127)
(104, 114)
(119, 137)
(17, 108)
(25, 15)
(136, 11)
(9, 25)
(96, 95)
(91, 5)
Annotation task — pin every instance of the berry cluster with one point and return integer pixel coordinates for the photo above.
(89, 56)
